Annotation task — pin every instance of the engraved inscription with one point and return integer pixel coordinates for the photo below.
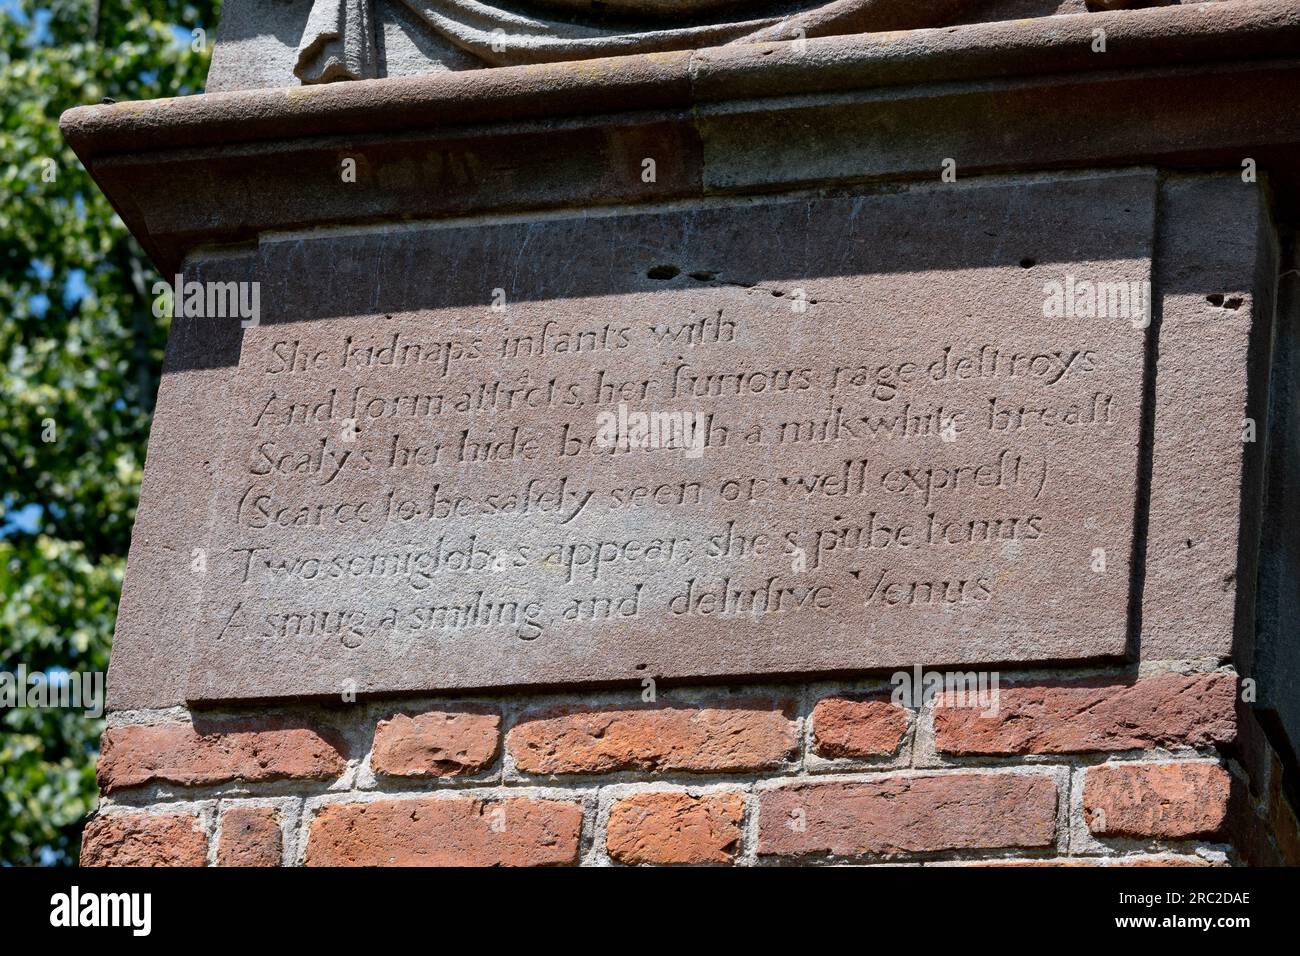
(693, 477)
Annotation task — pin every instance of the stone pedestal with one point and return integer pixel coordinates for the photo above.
(872, 446)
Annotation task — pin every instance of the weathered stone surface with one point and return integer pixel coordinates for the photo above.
(158, 611)
(1216, 275)
(1164, 710)
(455, 831)
(1273, 656)
(675, 828)
(278, 165)
(209, 752)
(419, 490)
(849, 727)
(884, 136)
(436, 744)
(729, 737)
(260, 41)
(1172, 801)
(144, 839)
(250, 836)
(338, 43)
(264, 44)
(908, 814)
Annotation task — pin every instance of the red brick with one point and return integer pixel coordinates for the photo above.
(250, 836)
(730, 737)
(1164, 710)
(212, 752)
(457, 831)
(846, 727)
(436, 744)
(1172, 801)
(675, 827)
(144, 839)
(893, 815)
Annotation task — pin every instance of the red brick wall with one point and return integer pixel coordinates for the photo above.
(1074, 769)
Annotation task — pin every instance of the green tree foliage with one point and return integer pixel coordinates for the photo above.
(81, 353)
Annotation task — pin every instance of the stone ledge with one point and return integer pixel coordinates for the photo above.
(1195, 35)
(225, 168)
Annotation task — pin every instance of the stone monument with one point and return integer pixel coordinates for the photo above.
(682, 431)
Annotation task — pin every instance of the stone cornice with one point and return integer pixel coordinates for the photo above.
(1202, 84)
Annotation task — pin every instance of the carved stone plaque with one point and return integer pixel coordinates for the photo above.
(751, 437)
